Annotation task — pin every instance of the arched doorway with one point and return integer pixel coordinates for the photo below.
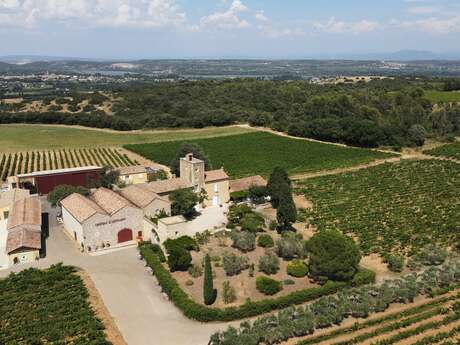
(125, 235)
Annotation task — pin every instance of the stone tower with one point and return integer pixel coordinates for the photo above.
(192, 170)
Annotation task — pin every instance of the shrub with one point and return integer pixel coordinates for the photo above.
(333, 256)
(209, 293)
(265, 241)
(269, 263)
(239, 196)
(63, 191)
(290, 246)
(432, 255)
(395, 263)
(252, 222)
(297, 268)
(179, 259)
(363, 276)
(243, 240)
(237, 212)
(288, 282)
(228, 293)
(157, 250)
(257, 194)
(268, 286)
(234, 264)
(273, 225)
(195, 271)
(185, 242)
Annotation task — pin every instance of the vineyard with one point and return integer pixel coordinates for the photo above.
(47, 307)
(419, 309)
(448, 151)
(392, 207)
(258, 153)
(24, 162)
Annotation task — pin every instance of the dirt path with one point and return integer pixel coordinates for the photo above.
(111, 330)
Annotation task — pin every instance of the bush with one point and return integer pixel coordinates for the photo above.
(157, 250)
(268, 286)
(209, 293)
(363, 276)
(185, 242)
(288, 282)
(432, 255)
(290, 246)
(228, 293)
(195, 271)
(239, 196)
(265, 241)
(297, 268)
(252, 222)
(237, 212)
(395, 263)
(243, 240)
(273, 225)
(269, 263)
(257, 194)
(179, 259)
(333, 256)
(63, 191)
(234, 264)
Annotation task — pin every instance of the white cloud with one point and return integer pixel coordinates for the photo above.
(133, 13)
(338, 27)
(260, 16)
(422, 10)
(433, 25)
(230, 19)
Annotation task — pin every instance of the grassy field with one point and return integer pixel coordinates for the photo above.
(35, 137)
(443, 96)
(258, 153)
(47, 307)
(392, 207)
(448, 151)
(15, 163)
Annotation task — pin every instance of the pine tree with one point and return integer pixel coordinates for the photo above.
(209, 293)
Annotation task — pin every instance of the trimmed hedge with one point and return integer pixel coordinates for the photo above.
(196, 311)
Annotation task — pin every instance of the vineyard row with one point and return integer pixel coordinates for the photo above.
(26, 162)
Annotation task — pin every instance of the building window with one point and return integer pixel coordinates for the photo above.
(216, 187)
(6, 214)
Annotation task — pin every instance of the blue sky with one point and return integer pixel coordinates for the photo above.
(127, 29)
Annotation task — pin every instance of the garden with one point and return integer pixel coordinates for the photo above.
(264, 151)
(47, 307)
(389, 209)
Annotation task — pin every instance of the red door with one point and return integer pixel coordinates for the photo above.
(125, 235)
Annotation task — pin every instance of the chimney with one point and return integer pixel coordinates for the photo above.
(190, 156)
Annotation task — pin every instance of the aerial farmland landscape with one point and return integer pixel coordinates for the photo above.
(230, 172)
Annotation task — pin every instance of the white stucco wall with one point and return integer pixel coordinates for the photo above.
(71, 225)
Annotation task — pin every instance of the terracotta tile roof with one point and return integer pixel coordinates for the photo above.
(215, 175)
(246, 182)
(26, 211)
(23, 237)
(80, 207)
(139, 195)
(8, 197)
(166, 186)
(108, 200)
(134, 169)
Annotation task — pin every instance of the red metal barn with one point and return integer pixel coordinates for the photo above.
(46, 181)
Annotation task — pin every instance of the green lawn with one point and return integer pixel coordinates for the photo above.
(449, 151)
(258, 153)
(35, 137)
(391, 207)
(443, 96)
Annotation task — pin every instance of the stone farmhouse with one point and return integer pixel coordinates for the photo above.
(104, 219)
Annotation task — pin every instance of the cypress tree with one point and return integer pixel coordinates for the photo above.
(286, 214)
(209, 293)
(278, 184)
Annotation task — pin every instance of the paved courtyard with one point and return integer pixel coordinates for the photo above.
(140, 311)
